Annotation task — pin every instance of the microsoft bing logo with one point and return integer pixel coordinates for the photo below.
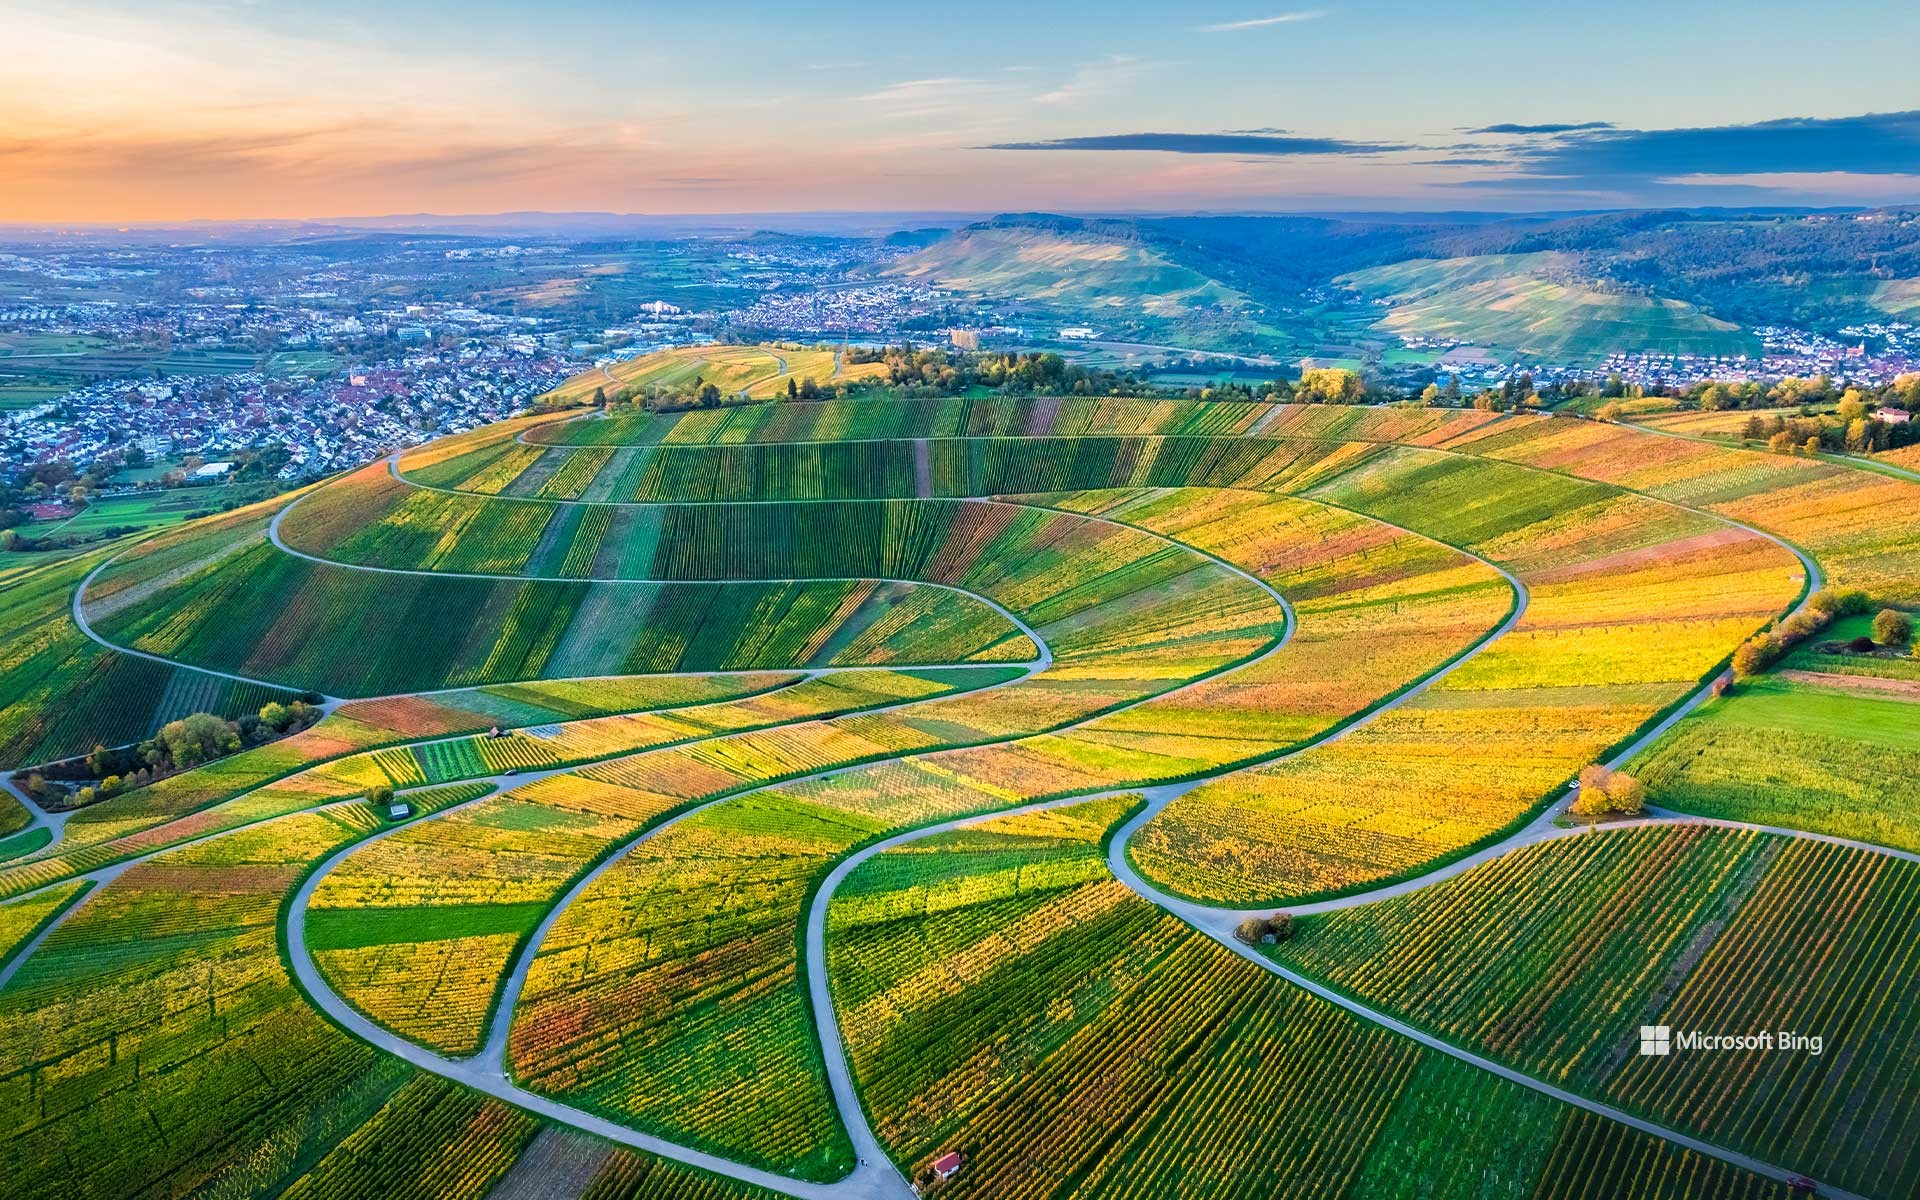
(1654, 1039)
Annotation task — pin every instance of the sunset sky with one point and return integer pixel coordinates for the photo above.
(164, 111)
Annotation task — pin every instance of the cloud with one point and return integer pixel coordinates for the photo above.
(1870, 144)
(1263, 145)
(916, 89)
(1577, 128)
(915, 98)
(1285, 18)
(1096, 79)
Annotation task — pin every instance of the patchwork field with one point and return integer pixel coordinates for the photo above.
(727, 804)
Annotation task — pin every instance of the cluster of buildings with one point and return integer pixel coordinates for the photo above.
(1871, 354)
(870, 309)
(323, 425)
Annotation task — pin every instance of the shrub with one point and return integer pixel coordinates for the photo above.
(1265, 931)
(1755, 655)
(1838, 604)
(1892, 627)
(1802, 625)
(1862, 644)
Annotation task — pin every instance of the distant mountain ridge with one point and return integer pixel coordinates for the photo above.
(1584, 284)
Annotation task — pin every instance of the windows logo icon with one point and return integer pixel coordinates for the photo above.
(1655, 1039)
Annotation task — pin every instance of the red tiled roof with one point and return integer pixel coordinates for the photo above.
(948, 1162)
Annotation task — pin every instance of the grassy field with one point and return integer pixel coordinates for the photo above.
(1806, 749)
(1535, 304)
(16, 394)
(1901, 297)
(303, 362)
(145, 510)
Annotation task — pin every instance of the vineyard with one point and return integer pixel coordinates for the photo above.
(1560, 950)
(823, 798)
(1002, 996)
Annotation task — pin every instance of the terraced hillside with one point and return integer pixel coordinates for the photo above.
(795, 797)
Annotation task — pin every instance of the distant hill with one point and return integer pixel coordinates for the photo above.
(1539, 304)
(1066, 263)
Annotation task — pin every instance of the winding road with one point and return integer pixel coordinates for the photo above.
(876, 1177)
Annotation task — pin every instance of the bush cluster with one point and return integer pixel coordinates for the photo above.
(1265, 931)
(1762, 650)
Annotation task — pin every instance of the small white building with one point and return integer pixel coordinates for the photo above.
(1892, 416)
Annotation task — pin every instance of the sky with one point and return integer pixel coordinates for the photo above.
(167, 111)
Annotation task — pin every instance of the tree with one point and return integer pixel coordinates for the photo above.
(1605, 792)
(1891, 627)
(380, 796)
(1329, 385)
(793, 389)
(196, 739)
(1755, 655)
(274, 714)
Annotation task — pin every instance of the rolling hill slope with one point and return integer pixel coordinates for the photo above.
(1078, 266)
(1538, 304)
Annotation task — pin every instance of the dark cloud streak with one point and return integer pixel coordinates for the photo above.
(1872, 144)
(1523, 129)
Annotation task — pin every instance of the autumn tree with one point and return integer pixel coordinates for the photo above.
(1329, 385)
(1891, 627)
(1605, 792)
(1755, 655)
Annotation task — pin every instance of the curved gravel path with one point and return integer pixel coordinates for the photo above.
(80, 619)
(1219, 923)
(485, 1072)
(876, 1176)
(1045, 654)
